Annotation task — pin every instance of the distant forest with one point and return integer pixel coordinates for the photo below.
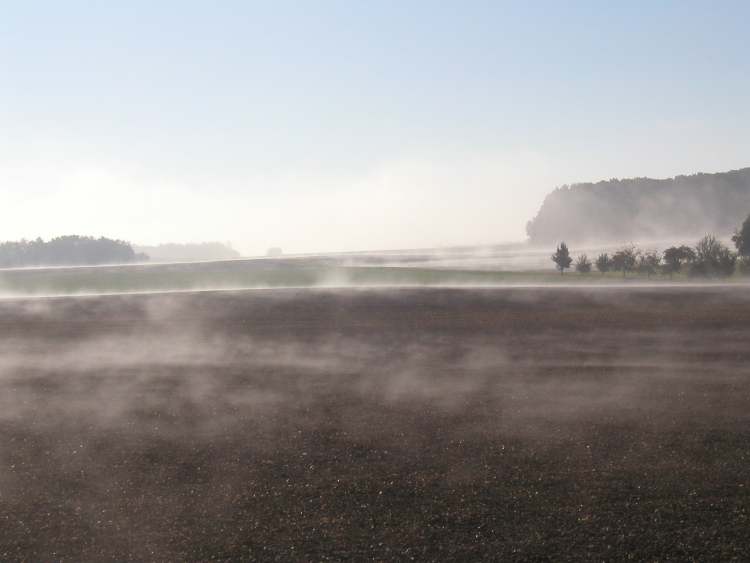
(189, 252)
(72, 250)
(643, 208)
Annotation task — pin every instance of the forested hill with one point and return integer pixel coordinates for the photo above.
(644, 208)
(72, 250)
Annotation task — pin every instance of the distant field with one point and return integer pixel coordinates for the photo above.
(402, 424)
(267, 273)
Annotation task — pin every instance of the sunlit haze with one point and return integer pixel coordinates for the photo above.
(327, 126)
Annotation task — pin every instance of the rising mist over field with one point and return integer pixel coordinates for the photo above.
(482, 290)
(512, 423)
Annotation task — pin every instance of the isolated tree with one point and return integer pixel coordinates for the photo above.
(712, 258)
(562, 258)
(604, 263)
(675, 257)
(648, 263)
(583, 264)
(741, 239)
(625, 260)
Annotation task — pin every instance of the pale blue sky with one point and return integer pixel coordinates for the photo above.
(352, 125)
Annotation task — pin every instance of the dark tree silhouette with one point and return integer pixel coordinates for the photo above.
(562, 258)
(712, 258)
(625, 259)
(675, 257)
(583, 264)
(648, 263)
(604, 263)
(741, 238)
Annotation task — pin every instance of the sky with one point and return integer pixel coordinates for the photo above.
(352, 125)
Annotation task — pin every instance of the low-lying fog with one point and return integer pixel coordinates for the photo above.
(108, 359)
(464, 267)
(175, 427)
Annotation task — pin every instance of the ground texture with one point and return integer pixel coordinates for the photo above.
(433, 424)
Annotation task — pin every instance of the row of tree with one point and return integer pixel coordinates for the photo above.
(70, 250)
(709, 258)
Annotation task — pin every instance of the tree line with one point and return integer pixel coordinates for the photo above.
(708, 258)
(71, 250)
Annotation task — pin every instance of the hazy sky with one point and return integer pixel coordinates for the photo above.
(352, 125)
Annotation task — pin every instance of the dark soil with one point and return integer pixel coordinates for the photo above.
(435, 424)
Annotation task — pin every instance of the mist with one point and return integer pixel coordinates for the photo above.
(222, 395)
(390, 355)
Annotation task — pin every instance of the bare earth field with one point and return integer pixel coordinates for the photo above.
(426, 424)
